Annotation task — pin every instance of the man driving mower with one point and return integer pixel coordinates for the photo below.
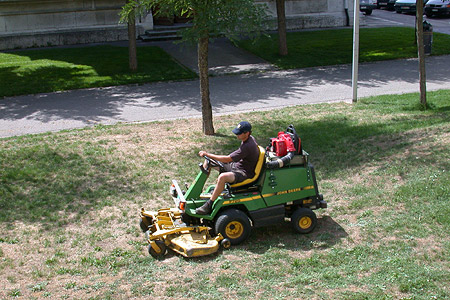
(237, 166)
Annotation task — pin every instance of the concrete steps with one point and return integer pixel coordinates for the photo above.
(164, 32)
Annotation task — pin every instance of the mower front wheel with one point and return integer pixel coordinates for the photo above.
(304, 220)
(162, 249)
(234, 225)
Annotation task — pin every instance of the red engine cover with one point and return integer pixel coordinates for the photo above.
(283, 144)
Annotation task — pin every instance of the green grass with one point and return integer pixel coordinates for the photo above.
(49, 70)
(332, 47)
(70, 203)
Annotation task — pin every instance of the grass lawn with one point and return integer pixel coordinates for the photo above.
(70, 203)
(332, 47)
(57, 69)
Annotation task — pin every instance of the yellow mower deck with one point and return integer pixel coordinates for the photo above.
(167, 229)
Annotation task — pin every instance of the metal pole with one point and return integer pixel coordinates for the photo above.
(355, 50)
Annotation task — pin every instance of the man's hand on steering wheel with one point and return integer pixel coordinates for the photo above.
(211, 162)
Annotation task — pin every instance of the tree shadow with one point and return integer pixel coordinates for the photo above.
(39, 183)
(337, 142)
(84, 67)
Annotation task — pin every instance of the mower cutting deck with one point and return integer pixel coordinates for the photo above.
(165, 229)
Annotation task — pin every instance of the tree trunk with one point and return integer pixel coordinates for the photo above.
(281, 17)
(421, 53)
(207, 116)
(132, 50)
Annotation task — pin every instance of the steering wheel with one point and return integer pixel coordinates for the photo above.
(214, 163)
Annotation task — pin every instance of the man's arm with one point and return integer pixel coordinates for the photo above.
(221, 158)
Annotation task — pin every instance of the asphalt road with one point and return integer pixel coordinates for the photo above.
(382, 17)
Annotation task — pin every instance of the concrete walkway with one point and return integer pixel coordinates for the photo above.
(229, 94)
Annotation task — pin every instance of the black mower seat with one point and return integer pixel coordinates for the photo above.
(258, 168)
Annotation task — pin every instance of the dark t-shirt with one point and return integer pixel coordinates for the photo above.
(246, 156)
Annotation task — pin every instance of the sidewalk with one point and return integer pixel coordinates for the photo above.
(229, 94)
(223, 58)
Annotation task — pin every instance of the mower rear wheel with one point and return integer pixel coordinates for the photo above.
(234, 225)
(155, 253)
(304, 220)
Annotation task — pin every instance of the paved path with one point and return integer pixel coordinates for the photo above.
(229, 94)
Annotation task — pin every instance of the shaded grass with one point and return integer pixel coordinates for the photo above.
(332, 47)
(72, 200)
(49, 70)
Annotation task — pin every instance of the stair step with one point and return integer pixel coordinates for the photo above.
(164, 32)
(160, 33)
(146, 38)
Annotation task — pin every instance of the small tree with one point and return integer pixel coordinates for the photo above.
(130, 19)
(210, 18)
(421, 53)
(132, 49)
(281, 18)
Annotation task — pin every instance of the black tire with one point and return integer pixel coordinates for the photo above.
(225, 243)
(368, 12)
(145, 224)
(155, 254)
(304, 220)
(234, 225)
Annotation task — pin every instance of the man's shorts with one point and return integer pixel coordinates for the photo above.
(239, 175)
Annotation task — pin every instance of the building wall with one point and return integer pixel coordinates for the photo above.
(31, 23)
(37, 23)
(302, 14)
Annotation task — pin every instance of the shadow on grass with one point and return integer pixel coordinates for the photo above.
(53, 186)
(338, 142)
(45, 79)
(52, 70)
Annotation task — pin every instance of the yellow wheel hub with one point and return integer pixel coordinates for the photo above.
(305, 222)
(234, 229)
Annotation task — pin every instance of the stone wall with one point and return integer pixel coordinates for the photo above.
(302, 14)
(40, 23)
(36, 23)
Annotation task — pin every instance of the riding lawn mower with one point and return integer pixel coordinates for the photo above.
(284, 188)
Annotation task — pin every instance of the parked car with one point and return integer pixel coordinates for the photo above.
(437, 8)
(388, 4)
(366, 6)
(406, 6)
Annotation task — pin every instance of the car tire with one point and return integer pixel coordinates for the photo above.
(234, 225)
(303, 220)
(368, 12)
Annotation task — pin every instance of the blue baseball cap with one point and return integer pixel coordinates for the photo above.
(242, 127)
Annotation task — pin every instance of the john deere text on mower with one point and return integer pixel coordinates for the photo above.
(284, 188)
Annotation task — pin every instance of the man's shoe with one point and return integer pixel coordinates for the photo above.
(205, 209)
